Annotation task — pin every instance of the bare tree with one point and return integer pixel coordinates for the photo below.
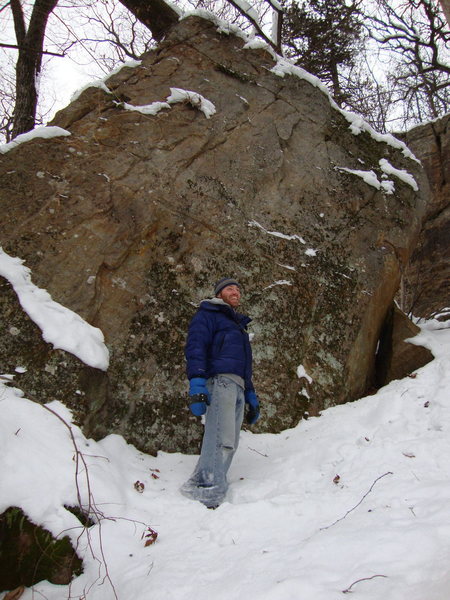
(367, 95)
(104, 34)
(259, 15)
(416, 34)
(255, 18)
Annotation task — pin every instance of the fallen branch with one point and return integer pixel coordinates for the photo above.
(356, 505)
(349, 589)
(257, 452)
(92, 508)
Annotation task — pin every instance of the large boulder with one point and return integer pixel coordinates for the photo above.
(130, 220)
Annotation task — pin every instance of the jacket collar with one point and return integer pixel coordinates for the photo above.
(217, 304)
(216, 301)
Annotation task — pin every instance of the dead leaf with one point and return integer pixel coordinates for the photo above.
(150, 536)
(139, 486)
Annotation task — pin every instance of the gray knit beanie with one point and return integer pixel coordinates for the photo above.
(222, 283)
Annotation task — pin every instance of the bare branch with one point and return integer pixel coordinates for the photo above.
(415, 34)
(356, 505)
(13, 46)
(255, 24)
(349, 589)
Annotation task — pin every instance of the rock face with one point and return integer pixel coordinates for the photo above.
(396, 357)
(131, 219)
(426, 290)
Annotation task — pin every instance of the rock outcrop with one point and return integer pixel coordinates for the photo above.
(130, 220)
(426, 285)
(29, 553)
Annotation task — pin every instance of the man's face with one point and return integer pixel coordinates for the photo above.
(231, 294)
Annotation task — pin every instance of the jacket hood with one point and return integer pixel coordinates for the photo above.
(217, 304)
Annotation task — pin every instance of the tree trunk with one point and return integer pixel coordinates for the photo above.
(26, 93)
(154, 14)
(336, 84)
(30, 43)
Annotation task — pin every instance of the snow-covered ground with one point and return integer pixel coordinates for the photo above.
(355, 501)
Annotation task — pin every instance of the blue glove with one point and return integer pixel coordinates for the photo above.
(199, 396)
(252, 401)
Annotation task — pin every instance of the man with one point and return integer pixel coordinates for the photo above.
(219, 368)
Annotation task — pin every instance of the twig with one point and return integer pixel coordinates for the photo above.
(15, 47)
(356, 505)
(91, 507)
(255, 24)
(257, 452)
(37, 592)
(349, 589)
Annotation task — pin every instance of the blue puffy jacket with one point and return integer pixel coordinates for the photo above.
(218, 342)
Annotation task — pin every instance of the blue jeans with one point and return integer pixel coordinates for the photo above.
(208, 483)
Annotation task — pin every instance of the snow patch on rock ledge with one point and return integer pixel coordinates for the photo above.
(176, 95)
(39, 132)
(59, 325)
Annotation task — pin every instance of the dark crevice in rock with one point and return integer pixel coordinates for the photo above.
(396, 358)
